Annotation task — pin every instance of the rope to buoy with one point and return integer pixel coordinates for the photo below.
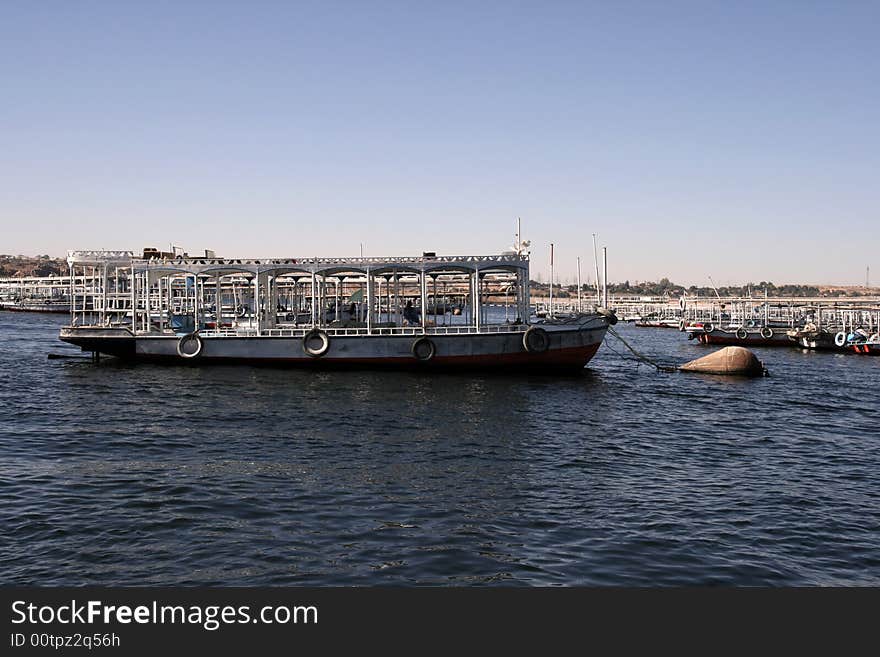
(620, 354)
(642, 357)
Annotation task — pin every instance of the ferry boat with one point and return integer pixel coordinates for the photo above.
(322, 312)
(34, 305)
(752, 334)
(35, 294)
(857, 341)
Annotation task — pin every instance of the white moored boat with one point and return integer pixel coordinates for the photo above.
(322, 312)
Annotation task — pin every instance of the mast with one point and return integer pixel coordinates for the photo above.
(605, 277)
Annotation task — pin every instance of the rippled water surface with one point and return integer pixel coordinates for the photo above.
(117, 474)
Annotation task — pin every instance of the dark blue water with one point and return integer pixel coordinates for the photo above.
(116, 474)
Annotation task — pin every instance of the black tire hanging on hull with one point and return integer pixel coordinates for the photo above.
(536, 340)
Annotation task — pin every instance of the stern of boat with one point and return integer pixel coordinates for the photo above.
(112, 341)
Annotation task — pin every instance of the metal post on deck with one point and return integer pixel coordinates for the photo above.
(423, 288)
(133, 299)
(217, 302)
(580, 308)
(145, 320)
(72, 296)
(169, 294)
(378, 300)
(314, 313)
(388, 294)
(197, 303)
(104, 296)
(436, 307)
(257, 299)
(550, 313)
(369, 302)
(476, 304)
(160, 299)
(397, 320)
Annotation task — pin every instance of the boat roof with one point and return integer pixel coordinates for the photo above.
(510, 261)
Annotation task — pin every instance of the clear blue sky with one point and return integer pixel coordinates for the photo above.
(731, 139)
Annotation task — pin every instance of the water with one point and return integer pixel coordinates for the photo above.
(114, 474)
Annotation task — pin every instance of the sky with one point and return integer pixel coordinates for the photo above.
(732, 140)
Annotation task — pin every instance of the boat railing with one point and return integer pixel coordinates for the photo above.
(385, 331)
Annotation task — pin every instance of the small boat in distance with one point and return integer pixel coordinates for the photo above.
(658, 321)
(324, 312)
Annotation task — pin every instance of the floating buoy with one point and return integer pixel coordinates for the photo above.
(732, 361)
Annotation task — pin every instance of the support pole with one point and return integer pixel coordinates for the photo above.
(476, 300)
(313, 304)
(72, 295)
(133, 300)
(369, 302)
(257, 309)
(104, 296)
(423, 289)
(218, 298)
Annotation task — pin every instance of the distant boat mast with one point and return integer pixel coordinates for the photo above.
(712, 283)
(519, 244)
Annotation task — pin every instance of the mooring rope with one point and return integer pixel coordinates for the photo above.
(642, 357)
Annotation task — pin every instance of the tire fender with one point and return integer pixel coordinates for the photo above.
(312, 349)
(184, 340)
(423, 349)
(536, 340)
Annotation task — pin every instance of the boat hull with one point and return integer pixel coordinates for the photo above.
(866, 349)
(568, 349)
(825, 342)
